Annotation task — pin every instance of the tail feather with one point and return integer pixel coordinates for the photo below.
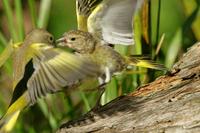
(8, 121)
(144, 61)
(140, 57)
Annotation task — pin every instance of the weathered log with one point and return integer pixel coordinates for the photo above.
(169, 104)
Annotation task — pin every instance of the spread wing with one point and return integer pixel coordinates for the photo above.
(85, 7)
(55, 69)
(112, 21)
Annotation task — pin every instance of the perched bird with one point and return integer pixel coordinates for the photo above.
(40, 68)
(106, 58)
(109, 20)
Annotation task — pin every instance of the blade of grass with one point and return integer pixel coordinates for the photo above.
(20, 20)
(149, 23)
(137, 33)
(32, 8)
(70, 108)
(3, 40)
(157, 30)
(52, 121)
(44, 13)
(111, 91)
(6, 50)
(85, 100)
(160, 44)
(158, 22)
(9, 16)
(193, 21)
(173, 49)
(51, 116)
(6, 53)
(43, 106)
(48, 114)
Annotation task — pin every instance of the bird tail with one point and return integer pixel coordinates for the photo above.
(8, 121)
(144, 61)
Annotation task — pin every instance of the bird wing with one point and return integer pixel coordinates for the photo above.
(83, 10)
(85, 7)
(112, 21)
(55, 69)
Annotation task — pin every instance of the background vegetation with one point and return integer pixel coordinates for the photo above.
(177, 21)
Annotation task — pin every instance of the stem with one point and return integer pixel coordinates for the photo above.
(9, 16)
(20, 20)
(44, 13)
(149, 22)
(3, 39)
(158, 21)
(33, 12)
(85, 100)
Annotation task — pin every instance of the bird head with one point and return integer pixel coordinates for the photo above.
(80, 41)
(39, 36)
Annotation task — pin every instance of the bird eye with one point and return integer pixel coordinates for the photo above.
(73, 39)
(51, 39)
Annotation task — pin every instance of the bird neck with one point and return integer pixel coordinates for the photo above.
(91, 46)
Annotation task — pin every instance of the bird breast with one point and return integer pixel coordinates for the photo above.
(108, 57)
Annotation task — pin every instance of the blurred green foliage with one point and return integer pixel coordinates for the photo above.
(179, 20)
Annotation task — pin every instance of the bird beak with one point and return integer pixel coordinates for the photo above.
(61, 41)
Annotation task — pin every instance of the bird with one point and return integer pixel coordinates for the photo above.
(109, 20)
(108, 60)
(40, 68)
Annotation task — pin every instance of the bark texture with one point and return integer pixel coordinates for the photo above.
(169, 104)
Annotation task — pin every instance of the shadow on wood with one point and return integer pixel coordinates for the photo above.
(169, 104)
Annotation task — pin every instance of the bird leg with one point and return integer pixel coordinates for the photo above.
(101, 90)
(101, 87)
(108, 75)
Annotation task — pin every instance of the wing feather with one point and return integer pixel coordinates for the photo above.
(55, 69)
(112, 21)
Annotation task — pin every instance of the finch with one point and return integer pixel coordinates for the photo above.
(106, 58)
